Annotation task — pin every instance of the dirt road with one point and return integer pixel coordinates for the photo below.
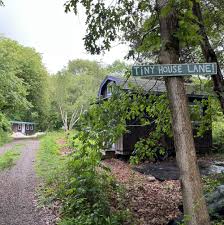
(17, 188)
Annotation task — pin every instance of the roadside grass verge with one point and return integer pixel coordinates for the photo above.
(8, 159)
(4, 137)
(86, 192)
(50, 166)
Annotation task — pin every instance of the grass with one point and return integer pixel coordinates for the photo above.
(49, 166)
(8, 159)
(49, 161)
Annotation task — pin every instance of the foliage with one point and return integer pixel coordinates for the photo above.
(106, 121)
(24, 81)
(218, 129)
(75, 87)
(158, 115)
(12, 94)
(212, 182)
(218, 135)
(88, 191)
(5, 125)
(5, 128)
(4, 137)
(117, 68)
(210, 185)
(9, 158)
(137, 23)
(83, 187)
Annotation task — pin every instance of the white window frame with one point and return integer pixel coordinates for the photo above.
(19, 127)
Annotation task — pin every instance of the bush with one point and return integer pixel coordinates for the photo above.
(5, 129)
(218, 135)
(211, 182)
(4, 137)
(88, 194)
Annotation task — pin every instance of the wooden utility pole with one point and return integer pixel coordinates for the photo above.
(193, 200)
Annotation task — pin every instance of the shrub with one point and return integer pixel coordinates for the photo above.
(5, 129)
(4, 137)
(88, 194)
(218, 135)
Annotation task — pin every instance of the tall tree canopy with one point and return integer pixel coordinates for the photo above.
(74, 88)
(137, 23)
(24, 94)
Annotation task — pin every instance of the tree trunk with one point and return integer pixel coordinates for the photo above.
(64, 117)
(209, 54)
(193, 200)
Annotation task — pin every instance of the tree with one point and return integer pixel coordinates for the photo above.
(13, 92)
(136, 22)
(65, 96)
(74, 88)
(26, 79)
(193, 199)
(209, 53)
(165, 25)
(117, 68)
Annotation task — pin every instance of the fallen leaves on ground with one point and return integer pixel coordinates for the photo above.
(64, 149)
(152, 202)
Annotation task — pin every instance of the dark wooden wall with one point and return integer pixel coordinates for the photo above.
(202, 144)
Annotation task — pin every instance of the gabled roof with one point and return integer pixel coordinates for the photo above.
(153, 85)
(22, 122)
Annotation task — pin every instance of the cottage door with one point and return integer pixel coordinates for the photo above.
(23, 129)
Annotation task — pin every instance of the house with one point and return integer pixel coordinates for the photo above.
(27, 128)
(125, 144)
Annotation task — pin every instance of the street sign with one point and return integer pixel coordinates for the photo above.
(175, 69)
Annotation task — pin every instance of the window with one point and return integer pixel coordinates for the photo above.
(31, 127)
(27, 127)
(19, 127)
(110, 88)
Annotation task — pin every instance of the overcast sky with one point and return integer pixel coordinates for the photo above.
(43, 25)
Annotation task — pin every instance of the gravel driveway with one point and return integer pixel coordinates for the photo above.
(17, 188)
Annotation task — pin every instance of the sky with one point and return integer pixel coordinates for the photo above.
(43, 25)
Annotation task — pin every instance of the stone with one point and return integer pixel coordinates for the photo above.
(215, 201)
(151, 179)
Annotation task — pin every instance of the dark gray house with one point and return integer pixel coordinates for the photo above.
(27, 128)
(125, 145)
